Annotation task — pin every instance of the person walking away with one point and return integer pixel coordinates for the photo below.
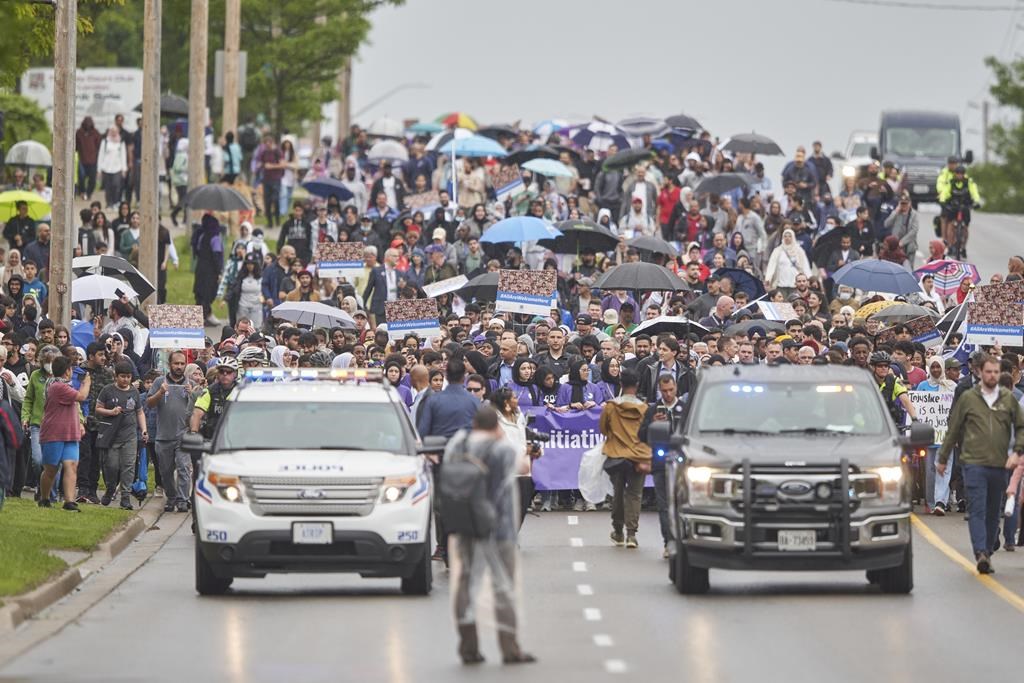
(672, 409)
(628, 460)
(87, 146)
(494, 556)
(980, 423)
(113, 166)
(170, 395)
(208, 252)
(60, 431)
(179, 178)
(121, 404)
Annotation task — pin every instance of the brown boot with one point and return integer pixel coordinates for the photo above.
(469, 646)
(510, 652)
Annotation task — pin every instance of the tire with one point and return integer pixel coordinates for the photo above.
(899, 580)
(421, 580)
(207, 582)
(688, 580)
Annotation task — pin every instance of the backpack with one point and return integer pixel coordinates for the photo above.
(466, 507)
(894, 406)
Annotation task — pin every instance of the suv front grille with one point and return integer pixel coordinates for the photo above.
(312, 496)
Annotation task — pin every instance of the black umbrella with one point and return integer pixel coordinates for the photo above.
(116, 267)
(531, 152)
(952, 319)
(678, 325)
(744, 327)
(482, 288)
(171, 105)
(216, 197)
(723, 182)
(627, 158)
(497, 131)
(643, 125)
(683, 121)
(655, 245)
(579, 234)
(742, 281)
(642, 277)
(752, 143)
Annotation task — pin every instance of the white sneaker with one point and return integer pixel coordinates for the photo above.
(546, 506)
(578, 505)
(589, 507)
(1011, 504)
(158, 492)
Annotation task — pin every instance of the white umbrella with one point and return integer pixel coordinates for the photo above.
(312, 314)
(93, 287)
(386, 128)
(442, 138)
(388, 150)
(29, 153)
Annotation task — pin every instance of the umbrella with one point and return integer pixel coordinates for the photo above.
(328, 187)
(948, 274)
(545, 128)
(113, 266)
(872, 275)
(388, 150)
(549, 167)
(457, 119)
(655, 245)
(37, 206)
(902, 312)
(579, 234)
(684, 122)
(599, 136)
(867, 310)
(386, 128)
(28, 153)
(96, 287)
(474, 146)
(216, 197)
(482, 288)
(743, 281)
(644, 277)
(744, 327)
(312, 314)
(723, 182)
(752, 143)
(532, 152)
(519, 229)
(825, 244)
(426, 127)
(673, 324)
(952, 319)
(445, 136)
(170, 105)
(639, 126)
(497, 131)
(627, 158)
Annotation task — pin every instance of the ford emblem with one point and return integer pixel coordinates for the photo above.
(794, 488)
(312, 494)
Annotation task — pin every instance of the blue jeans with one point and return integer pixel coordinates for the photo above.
(985, 487)
(661, 497)
(939, 483)
(1010, 523)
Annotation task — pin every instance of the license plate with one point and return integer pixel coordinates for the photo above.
(312, 533)
(921, 189)
(797, 540)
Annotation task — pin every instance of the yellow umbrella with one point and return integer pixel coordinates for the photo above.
(37, 206)
(868, 310)
(457, 119)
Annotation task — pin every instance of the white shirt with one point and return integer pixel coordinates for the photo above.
(989, 396)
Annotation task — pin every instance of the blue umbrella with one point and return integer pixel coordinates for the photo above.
(599, 136)
(326, 187)
(872, 275)
(428, 127)
(474, 146)
(520, 229)
(549, 167)
(743, 281)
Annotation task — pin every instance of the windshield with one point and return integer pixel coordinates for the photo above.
(932, 143)
(776, 408)
(860, 149)
(311, 426)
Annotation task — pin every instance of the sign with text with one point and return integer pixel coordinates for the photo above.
(992, 322)
(339, 259)
(779, 312)
(922, 330)
(444, 286)
(525, 291)
(418, 316)
(507, 181)
(933, 408)
(173, 326)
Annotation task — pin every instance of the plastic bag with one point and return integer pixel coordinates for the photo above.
(595, 484)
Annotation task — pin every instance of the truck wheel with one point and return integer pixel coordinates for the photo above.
(688, 580)
(421, 580)
(899, 579)
(208, 583)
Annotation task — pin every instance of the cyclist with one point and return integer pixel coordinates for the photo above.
(942, 182)
(958, 196)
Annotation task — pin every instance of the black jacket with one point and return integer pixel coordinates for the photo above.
(686, 381)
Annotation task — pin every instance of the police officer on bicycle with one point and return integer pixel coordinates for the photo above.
(957, 197)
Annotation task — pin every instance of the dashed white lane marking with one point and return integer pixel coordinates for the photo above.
(579, 566)
(615, 666)
(592, 614)
(584, 589)
(576, 542)
(603, 640)
(573, 520)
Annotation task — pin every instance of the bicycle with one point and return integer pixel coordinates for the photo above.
(958, 250)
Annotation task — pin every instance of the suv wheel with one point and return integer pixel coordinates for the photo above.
(688, 580)
(207, 582)
(421, 580)
(899, 579)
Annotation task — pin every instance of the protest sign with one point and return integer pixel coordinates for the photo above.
(779, 312)
(933, 408)
(339, 259)
(444, 286)
(992, 322)
(525, 291)
(507, 181)
(422, 201)
(1001, 293)
(173, 326)
(922, 330)
(418, 316)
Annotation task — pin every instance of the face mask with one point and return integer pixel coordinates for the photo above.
(845, 296)
(48, 367)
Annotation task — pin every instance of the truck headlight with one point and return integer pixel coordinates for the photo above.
(228, 486)
(890, 484)
(393, 488)
(699, 484)
(849, 171)
(889, 475)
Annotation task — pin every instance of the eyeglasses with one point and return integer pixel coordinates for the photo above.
(475, 389)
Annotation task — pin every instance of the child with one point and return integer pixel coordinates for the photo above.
(121, 404)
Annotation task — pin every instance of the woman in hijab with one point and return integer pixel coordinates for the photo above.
(547, 386)
(13, 266)
(611, 369)
(604, 217)
(774, 220)
(786, 262)
(892, 251)
(112, 164)
(394, 368)
(522, 385)
(417, 268)
(579, 393)
(341, 361)
(936, 250)
(208, 252)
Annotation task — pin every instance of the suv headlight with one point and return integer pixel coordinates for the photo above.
(700, 484)
(393, 488)
(228, 486)
(890, 484)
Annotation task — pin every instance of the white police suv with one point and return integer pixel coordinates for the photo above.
(313, 471)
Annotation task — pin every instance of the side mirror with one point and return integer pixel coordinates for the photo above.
(922, 435)
(836, 155)
(969, 157)
(874, 153)
(432, 445)
(660, 434)
(194, 443)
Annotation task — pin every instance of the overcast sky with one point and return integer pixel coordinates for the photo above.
(795, 70)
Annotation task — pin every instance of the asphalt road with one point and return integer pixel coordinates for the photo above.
(993, 239)
(592, 611)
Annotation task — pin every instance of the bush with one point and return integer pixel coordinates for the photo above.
(23, 120)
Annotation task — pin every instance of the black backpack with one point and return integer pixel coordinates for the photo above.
(466, 507)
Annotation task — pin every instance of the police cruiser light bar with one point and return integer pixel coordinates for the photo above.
(355, 375)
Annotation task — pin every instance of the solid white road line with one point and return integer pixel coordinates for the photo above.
(592, 614)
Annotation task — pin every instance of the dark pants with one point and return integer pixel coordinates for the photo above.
(113, 185)
(439, 531)
(271, 201)
(500, 558)
(161, 286)
(87, 179)
(985, 489)
(628, 485)
(22, 468)
(526, 491)
(661, 498)
(89, 463)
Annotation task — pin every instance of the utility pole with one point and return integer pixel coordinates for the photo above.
(344, 100)
(149, 186)
(984, 131)
(197, 95)
(64, 226)
(232, 36)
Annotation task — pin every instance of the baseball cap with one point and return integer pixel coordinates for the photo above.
(434, 249)
(952, 363)
(790, 344)
(439, 234)
(359, 314)
(584, 319)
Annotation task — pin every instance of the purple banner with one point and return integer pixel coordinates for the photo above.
(572, 433)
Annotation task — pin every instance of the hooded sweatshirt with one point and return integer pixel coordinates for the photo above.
(620, 423)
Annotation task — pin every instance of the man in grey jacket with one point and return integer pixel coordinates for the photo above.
(902, 223)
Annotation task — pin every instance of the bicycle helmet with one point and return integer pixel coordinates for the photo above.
(953, 160)
(960, 169)
(880, 357)
(229, 363)
(251, 354)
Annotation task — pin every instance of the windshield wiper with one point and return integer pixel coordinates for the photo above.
(731, 430)
(814, 430)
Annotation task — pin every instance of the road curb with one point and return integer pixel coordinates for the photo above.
(23, 607)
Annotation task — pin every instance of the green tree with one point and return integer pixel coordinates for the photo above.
(23, 120)
(999, 181)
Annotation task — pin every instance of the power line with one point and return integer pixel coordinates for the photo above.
(903, 4)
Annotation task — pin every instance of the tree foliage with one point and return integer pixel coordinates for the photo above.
(999, 182)
(23, 120)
